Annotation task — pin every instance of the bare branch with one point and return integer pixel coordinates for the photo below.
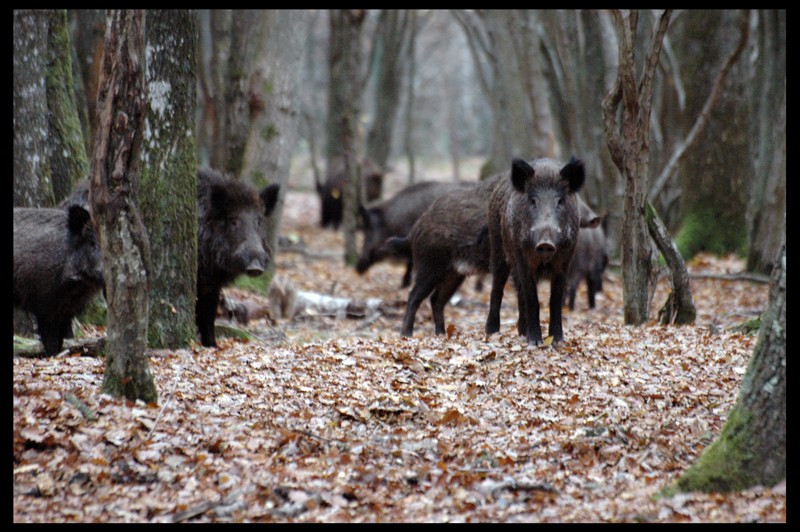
(705, 113)
(648, 76)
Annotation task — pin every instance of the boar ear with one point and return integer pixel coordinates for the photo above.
(77, 218)
(269, 195)
(520, 173)
(574, 174)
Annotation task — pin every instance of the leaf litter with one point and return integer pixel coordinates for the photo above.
(331, 419)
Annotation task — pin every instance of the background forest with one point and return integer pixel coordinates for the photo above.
(683, 110)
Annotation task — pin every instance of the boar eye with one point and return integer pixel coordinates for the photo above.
(234, 222)
(560, 202)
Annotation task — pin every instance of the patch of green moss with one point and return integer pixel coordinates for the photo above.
(705, 231)
(723, 467)
(259, 284)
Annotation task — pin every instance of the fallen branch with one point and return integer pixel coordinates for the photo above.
(85, 410)
(205, 506)
(741, 276)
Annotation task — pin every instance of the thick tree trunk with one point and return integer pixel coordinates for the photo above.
(767, 204)
(32, 178)
(169, 176)
(274, 133)
(68, 161)
(714, 171)
(113, 196)
(751, 450)
(87, 28)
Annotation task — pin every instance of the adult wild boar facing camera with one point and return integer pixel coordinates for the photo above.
(534, 217)
(57, 268)
(230, 239)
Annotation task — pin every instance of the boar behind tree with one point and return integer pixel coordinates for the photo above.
(448, 243)
(230, 239)
(589, 262)
(534, 217)
(57, 268)
(395, 216)
(332, 191)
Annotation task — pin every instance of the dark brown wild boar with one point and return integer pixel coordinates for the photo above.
(448, 243)
(57, 268)
(395, 216)
(589, 262)
(534, 217)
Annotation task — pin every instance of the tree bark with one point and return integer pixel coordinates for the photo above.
(628, 145)
(344, 106)
(68, 160)
(751, 450)
(32, 177)
(275, 129)
(113, 197)
(168, 197)
(679, 307)
(87, 31)
(767, 204)
(247, 37)
(392, 36)
(714, 170)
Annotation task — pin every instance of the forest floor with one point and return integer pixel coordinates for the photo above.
(329, 418)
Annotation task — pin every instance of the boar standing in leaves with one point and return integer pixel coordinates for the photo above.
(589, 262)
(57, 268)
(534, 217)
(395, 216)
(230, 239)
(447, 243)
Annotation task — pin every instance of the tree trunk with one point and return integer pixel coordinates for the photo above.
(679, 308)
(87, 28)
(113, 197)
(68, 161)
(391, 37)
(751, 450)
(247, 37)
(628, 144)
(343, 111)
(408, 140)
(32, 177)
(220, 41)
(168, 197)
(714, 171)
(274, 132)
(767, 204)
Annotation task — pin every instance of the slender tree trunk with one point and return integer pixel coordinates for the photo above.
(87, 28)
(408, 141)
(751, 450)
(169, 176)
(221, 45)
(392, 36)
(275, 128)
(343, 111)
(32, 177)
(628, 144)
(113, 196)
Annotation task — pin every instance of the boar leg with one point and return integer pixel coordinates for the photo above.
(500, 271)
(558, 284)
(426, 282)
(441, 296)
(205, 315)
(529, 308)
